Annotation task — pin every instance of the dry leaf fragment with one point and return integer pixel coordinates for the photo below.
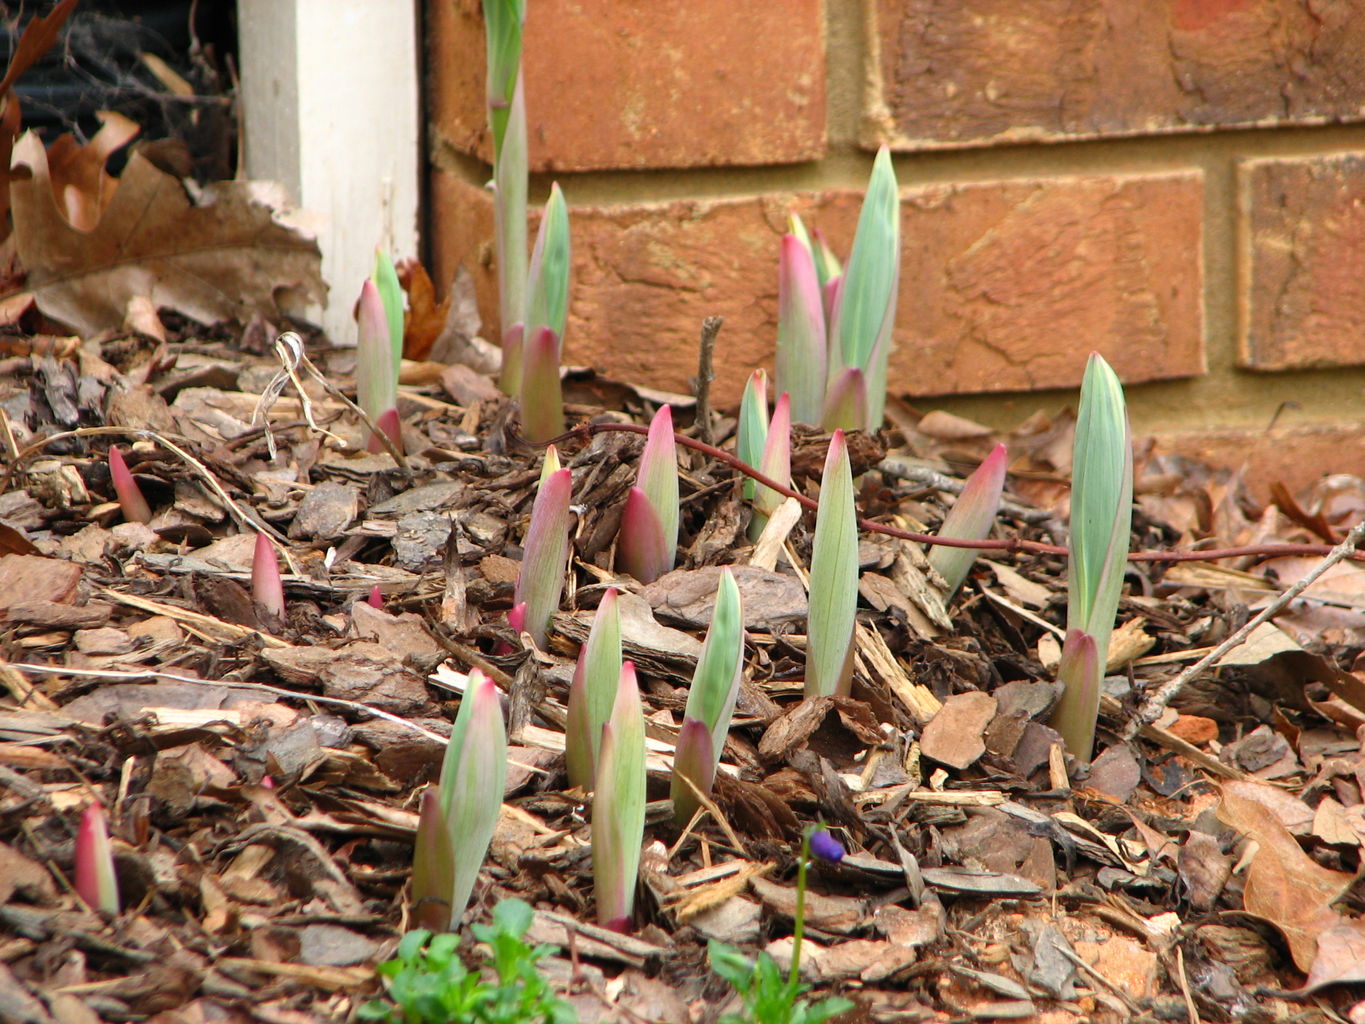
(1284, 885)
(225, 256)
(955, 736)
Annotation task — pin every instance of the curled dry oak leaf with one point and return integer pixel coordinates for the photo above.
(223, 256)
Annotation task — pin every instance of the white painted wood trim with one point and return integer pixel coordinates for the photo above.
(330, 103)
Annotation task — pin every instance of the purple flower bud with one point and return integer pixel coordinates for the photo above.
(826, 847)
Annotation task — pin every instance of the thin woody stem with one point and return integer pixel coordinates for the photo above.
(1012, 544)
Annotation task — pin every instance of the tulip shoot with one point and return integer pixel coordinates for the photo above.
(753, 426)
(1101, 521)
(833, 578)
(775, 464)
(710, 700)
(95, 880)
(592, 693)
(618, 806)
(971, 518)
(375, 371)
(802, 348)
(133, 505)
(544, 555)
(647, 545)
(454, 830)
(267, 588)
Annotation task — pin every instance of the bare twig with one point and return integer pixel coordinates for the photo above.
(1010, 544)
(1152, 708)
(710, 327)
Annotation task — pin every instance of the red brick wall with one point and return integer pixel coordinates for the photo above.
(1179, 184)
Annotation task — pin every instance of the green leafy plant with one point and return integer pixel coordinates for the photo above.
(647, 545)
(618, 806)
(971, 518)
(833, 578)
(1101, 521)
(769, 997)
(710, 701)
(753, 425)
(457, 817)
(802, 345)
(428, 983)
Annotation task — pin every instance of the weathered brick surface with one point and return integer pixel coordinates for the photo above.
(1302, 233)
(971, 72)
(623, 84)
(1005, 286)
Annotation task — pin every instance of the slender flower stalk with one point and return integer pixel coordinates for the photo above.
(376, 375)
(96, 882)
(130, 499)
(267, 587)
(776, 464)
(544, 555)
(833, 578)
(647, 545)
(618, 806)
(592, 693)
(865, 313)
(1101, 522)
(802, 346)
(504, 21)
(971, 518)
(710, 701)
(753, 425)
(455, 828)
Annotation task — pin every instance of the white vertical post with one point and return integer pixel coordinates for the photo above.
(330, 109)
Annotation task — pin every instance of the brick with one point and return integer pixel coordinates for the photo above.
(972, 72)
(614, 84)
(1302, 235)
(1005, 286)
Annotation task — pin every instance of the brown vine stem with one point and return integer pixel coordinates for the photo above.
(1012, 544)
(1154, 705)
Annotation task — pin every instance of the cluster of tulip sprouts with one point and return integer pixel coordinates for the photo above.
(835, 328)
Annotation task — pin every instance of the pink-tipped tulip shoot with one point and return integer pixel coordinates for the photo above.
(860, 332)
(1101, 520)
(376, 598)
(130, 499)
(752, 431)
(833, 578)
(971, 518)
(776, 464)
(710, 701)
(542, 394)
(592, 693)
(267, 588)
(96, 882)
(376, 376)
(550, 464)
(1081, 674)
(458, 829)
(802, 348)
(618, 806)
(544, 554)
(647, 545)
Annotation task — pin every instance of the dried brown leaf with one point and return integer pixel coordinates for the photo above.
(225, 257)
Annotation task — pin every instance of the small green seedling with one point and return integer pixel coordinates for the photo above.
(427, 982)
